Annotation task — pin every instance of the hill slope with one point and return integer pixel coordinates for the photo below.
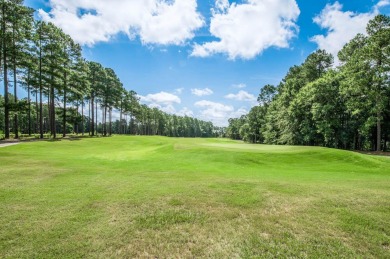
(167, 197)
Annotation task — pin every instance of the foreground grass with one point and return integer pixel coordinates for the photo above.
(166, 197)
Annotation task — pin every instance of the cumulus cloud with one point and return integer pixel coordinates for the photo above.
(221, 5)
(382, 3)
(169, 108)
(202, 92)
(217, 110)
(154, 21)
(218, 113)
(342, 26)
(179, 90)
(185, 112)
(246, 30)
(239, 86)
(165, 102)
(161, 98)
(241, 96)
(238, 113)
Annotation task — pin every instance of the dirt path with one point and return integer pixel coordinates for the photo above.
(7, 144)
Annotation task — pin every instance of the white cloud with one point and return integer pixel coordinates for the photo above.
(165, 102)
(222, 5)
(161, 98)
(218, 113)
(341, 26)
(246, 30)
(217, 110)
(241, 111)
(154, 21)
(179, 90)
(382, 3)
(202, 92)
(239, 86)
(169, 108)
(185, 112)
(241, 96)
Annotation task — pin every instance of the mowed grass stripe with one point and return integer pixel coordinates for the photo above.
(172, 197)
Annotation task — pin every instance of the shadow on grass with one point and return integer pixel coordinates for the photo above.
(374, 153)
(49, 139)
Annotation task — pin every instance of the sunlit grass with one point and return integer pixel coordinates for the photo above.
(167, 197)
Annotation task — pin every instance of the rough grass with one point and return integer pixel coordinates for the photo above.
(166, 197)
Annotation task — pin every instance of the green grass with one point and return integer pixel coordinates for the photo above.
(166, 197)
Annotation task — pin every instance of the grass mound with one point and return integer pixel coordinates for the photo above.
(167, 197)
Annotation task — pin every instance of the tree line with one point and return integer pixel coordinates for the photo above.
(40, 58)
(346, 107)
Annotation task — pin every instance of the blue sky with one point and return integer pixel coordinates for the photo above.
(206, 58)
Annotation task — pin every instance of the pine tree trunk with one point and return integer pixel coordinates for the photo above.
(52, 113)
(125, 128)
(105, 121)
(378, 114)
(89, 118)
(92, 111)
(40, 90)
(110, 121)
(378, 132)
(96, 121)
(29, 109)
(37, 113)
(5, 79)
(82, 118)
(16, 126)
(64, 111)
(48, 118)
(49, 125)
(120, 120)
(77, 113)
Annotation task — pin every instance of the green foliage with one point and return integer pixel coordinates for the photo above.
(267, 93)
(49, 65)
(346, 107)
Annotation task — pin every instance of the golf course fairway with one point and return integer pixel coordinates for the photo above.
(159, 197)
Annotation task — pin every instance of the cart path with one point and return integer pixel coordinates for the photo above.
(7, 144)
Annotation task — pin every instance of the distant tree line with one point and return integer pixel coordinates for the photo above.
(40, 58)
(346, 107)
